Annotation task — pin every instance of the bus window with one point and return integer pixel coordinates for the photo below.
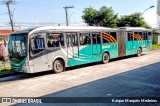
(62, 40)
(105, 40)
(114, 34)
(135, 36)
(130, 36)
(94, 38)
(145, 36)
(72, 39)
(85, 39)
(37, 44)
(140, 34)
(98, 39)
(55, 39)
(149, 36)
(69, 39)
(75, 39)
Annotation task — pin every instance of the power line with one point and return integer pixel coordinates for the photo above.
(34, 6)
(4, 14)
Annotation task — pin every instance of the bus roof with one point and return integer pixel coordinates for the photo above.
(72, 28)
(24, 31)
(134, 29)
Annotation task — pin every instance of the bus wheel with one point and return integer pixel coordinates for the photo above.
(58, 66)
(139, 52)
(105, 58)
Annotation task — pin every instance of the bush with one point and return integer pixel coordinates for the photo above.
(155, 47)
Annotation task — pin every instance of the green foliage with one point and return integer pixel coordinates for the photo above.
(90, 16)
(107, 18)
(132, 20)
(155, 47)
(5, 71)
(104, 17)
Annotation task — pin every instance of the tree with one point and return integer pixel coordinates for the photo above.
(132, 20)
(90, 16)
(104, 17)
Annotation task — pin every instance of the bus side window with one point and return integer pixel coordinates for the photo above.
(69, 39)
(61, 38)
(149, 36)
(75, 39)
(54, 40)
(37, 44)
(85, 39)
(114, 34)
(140, 33)
(98, 39)
(94, 38)
(130, 36)
(72, 39)
(145, 36)
(135, 36)
(105, 39)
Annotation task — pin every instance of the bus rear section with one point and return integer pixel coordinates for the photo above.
(135, 41)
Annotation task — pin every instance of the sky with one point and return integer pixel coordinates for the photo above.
(52, 11)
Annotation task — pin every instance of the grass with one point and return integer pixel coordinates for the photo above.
(155, 47)
(4, 71)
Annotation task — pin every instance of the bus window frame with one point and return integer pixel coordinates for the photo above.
(112, 36)
(66, 38)
(130, 36)
(51, 48)
(81, 35)
(146, 33)
(45, 44)
(97, 33)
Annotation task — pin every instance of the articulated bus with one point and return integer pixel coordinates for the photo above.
(57, 47)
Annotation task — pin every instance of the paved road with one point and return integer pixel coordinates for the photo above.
(130, 77)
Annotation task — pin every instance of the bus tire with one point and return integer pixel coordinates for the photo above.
(58, 66)
(105, 58)
(139, 52)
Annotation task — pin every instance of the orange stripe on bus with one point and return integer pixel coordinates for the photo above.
(107, 40)
(111, 37)
(139, 36)
(104, 36)
(135, 36)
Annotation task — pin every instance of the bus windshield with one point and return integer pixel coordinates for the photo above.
(17, 47)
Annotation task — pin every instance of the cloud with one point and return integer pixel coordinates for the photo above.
(150, 17)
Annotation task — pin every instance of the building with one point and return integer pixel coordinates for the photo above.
(156, 38)
(4, 34)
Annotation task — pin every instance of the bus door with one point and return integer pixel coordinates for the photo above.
(122, 43)
(72, 45)
(96, 43)
(38, 53)
(145, 39)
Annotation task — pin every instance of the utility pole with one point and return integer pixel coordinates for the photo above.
(7, 3)
(66, 12)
